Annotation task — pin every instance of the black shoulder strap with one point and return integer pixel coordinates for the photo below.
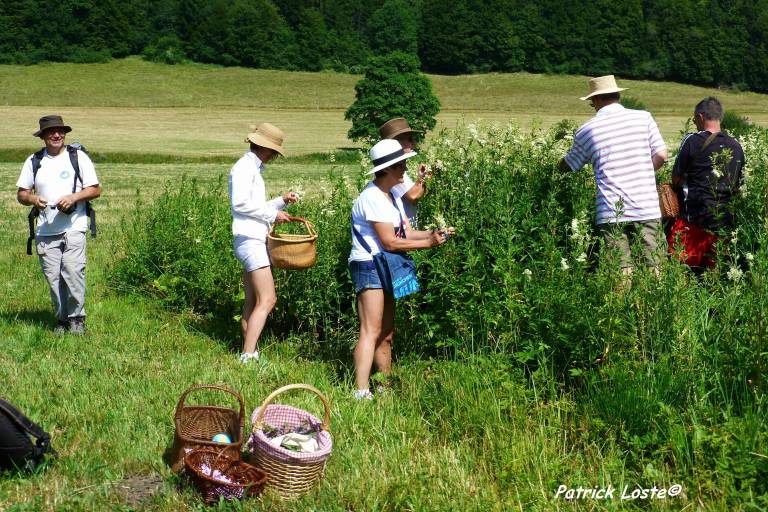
(707, 142)
(72, 150)
(89, 211)
(37, 161)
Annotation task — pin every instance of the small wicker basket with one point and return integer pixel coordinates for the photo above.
(290, 473)
(668, 202)
(217, 475)
(196, 425)
(293, 252)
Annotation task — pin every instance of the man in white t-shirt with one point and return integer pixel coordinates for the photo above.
(60, 197)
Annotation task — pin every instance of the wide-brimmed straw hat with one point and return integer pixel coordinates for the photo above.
(52, 121)
(267, 136)
(387, 152)
(603, 85)
(395, 127)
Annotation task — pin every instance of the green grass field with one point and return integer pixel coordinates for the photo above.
(469, 433)
(140, 107)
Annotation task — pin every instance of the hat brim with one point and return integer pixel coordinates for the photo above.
(392, 162)
(257, 139)
(38, 133)
(610, 90)
(401, 131)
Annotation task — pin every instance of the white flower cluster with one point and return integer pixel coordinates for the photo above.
(735, 274)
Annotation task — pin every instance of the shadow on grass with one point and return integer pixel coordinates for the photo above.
(43, 318)
(223, 331)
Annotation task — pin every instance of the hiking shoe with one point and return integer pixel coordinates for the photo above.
(77, 325)
(62, 327)
(247, 357)
(363, 394)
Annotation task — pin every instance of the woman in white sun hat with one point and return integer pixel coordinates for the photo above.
(379, 224)
(252, 216)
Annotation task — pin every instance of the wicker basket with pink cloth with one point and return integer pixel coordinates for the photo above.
(291, 445)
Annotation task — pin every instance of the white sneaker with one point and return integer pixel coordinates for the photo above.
(246, 357)
(363, 394)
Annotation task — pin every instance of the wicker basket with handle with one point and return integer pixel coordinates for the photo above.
(668, 203)
(197, 424)
(215, 475)
(290, 473)
(293, 252)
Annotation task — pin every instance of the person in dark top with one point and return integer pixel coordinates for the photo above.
(707, 174)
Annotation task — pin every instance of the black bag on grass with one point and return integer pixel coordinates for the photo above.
(17, 450)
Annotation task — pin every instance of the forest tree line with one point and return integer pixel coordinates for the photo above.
(712, 42)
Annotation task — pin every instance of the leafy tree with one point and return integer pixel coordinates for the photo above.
(392, 87)
(447, 42)
(314, 40)
(394, 27)
(259, 37)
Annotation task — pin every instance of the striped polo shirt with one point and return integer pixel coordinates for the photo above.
(619, 143)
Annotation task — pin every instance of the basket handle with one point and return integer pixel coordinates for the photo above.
(307, 224)
(217, 387)
(259, 423)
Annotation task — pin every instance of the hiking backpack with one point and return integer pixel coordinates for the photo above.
(17, 451)
(34, 213)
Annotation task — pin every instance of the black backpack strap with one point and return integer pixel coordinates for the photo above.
(43, 438)
(89, 211)
(34, 213)
(72, 150)
(37, 161)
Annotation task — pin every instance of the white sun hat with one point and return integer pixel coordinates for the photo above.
(387, 152)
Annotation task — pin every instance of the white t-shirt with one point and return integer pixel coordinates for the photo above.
(372, 205)
(53, 181)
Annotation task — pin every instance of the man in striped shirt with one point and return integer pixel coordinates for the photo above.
(625, 149)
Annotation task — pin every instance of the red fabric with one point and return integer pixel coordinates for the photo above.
(698, 245)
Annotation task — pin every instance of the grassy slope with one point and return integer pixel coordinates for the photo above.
(134, 106)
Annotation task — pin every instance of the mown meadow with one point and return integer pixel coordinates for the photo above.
(520, 368)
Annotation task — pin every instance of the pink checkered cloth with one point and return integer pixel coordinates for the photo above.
(280, 416)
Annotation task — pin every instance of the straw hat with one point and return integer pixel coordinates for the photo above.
(51, 122)
(603, 85)
(387, 152)
(395, 127)
(267, 136)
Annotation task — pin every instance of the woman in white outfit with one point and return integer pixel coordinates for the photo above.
(252, 216)
(379, 219)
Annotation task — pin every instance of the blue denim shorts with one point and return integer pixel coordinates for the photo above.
(364, 275)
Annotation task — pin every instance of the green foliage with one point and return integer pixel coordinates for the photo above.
(394, 27)
(632, 103)
(736, 124)
(167, 49)
(632, 38)
(179, 250)
(392, 87)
